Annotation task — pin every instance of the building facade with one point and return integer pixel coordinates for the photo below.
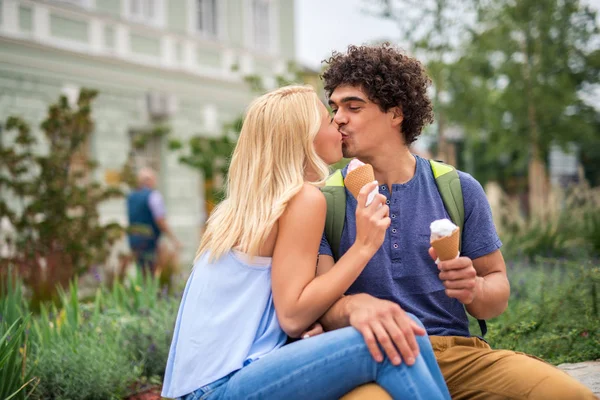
(179, 62)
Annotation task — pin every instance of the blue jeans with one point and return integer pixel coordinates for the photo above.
(328, 366)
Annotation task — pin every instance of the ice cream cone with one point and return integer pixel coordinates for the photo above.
(447, 247)
(359, 177)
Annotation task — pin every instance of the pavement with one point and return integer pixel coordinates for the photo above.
(587, 372)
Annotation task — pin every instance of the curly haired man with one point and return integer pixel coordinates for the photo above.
(378, 96)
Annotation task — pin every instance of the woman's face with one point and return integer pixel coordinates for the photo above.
(328, 142)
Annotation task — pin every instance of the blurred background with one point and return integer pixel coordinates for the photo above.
(91, 91)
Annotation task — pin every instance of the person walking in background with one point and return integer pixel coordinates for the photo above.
(147, 221)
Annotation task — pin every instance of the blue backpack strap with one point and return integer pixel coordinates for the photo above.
(335, 194)
(448, 183)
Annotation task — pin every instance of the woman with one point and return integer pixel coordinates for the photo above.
(254, 280)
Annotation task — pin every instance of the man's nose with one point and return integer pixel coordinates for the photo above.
(340, 118)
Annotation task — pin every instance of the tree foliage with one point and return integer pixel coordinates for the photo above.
(51, 201)
(517, 88)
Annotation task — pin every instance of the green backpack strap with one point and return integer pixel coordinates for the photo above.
(335, 194)
(448, 183)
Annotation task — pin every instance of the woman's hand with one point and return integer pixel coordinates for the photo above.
(313, 330)
(372, 221)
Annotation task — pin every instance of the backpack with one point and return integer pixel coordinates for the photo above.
(448, 184)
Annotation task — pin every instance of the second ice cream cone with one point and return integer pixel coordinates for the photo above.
(447, 247)
(359, 177)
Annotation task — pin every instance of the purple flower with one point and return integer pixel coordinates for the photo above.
(96, 274)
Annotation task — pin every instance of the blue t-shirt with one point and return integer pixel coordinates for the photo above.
(402, 270)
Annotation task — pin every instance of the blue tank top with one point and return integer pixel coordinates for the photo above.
(226, 320)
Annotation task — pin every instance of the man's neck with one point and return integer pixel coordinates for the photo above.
(393, 165)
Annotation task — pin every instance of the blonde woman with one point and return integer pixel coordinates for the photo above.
(254, 280)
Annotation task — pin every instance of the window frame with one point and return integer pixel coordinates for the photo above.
(158, 10)
(272, 34)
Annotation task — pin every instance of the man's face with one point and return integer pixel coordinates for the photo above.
(364, 127)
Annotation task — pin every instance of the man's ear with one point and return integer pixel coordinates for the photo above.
(397, 116)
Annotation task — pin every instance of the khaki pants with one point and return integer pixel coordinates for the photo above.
(474, 371)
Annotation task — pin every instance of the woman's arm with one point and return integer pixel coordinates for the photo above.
(299, 295)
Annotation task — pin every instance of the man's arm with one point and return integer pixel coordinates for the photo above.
(478, 279)
(158, 210)
(164, 228)
(493, 288)
(480, 284)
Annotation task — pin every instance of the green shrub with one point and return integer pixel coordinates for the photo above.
(103, 348)
(552, 313)
(51, 201)
(149, 337)
(570, 229)
(89, 365)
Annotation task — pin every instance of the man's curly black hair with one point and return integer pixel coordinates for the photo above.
(389, 78)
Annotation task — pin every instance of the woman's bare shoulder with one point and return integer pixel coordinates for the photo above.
(309, 201)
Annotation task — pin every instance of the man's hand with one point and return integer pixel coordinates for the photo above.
(459, 277)
(384, 322)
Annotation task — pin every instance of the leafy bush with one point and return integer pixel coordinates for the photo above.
(552, 313)
(79, 351)
(50, 199)
(149, 337)
(571, 229)
(103, 348)
(88, 365)
(148, 330)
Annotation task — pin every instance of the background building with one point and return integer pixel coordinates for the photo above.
(174, 62)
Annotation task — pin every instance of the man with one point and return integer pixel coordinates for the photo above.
(379, 101)
(147, 220)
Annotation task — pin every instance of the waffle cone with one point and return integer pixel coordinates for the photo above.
(359, 177)
(447, 247)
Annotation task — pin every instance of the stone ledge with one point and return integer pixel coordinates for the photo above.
(587, 372)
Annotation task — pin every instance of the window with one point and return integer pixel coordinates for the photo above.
(207, 18)
(261, 22)
(144, 11)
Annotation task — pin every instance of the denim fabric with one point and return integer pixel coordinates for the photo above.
(328, 366)
(205, 391)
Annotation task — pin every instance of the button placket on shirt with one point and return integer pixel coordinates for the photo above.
(394, 235)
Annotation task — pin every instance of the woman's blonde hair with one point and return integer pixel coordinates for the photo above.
(267, 169)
